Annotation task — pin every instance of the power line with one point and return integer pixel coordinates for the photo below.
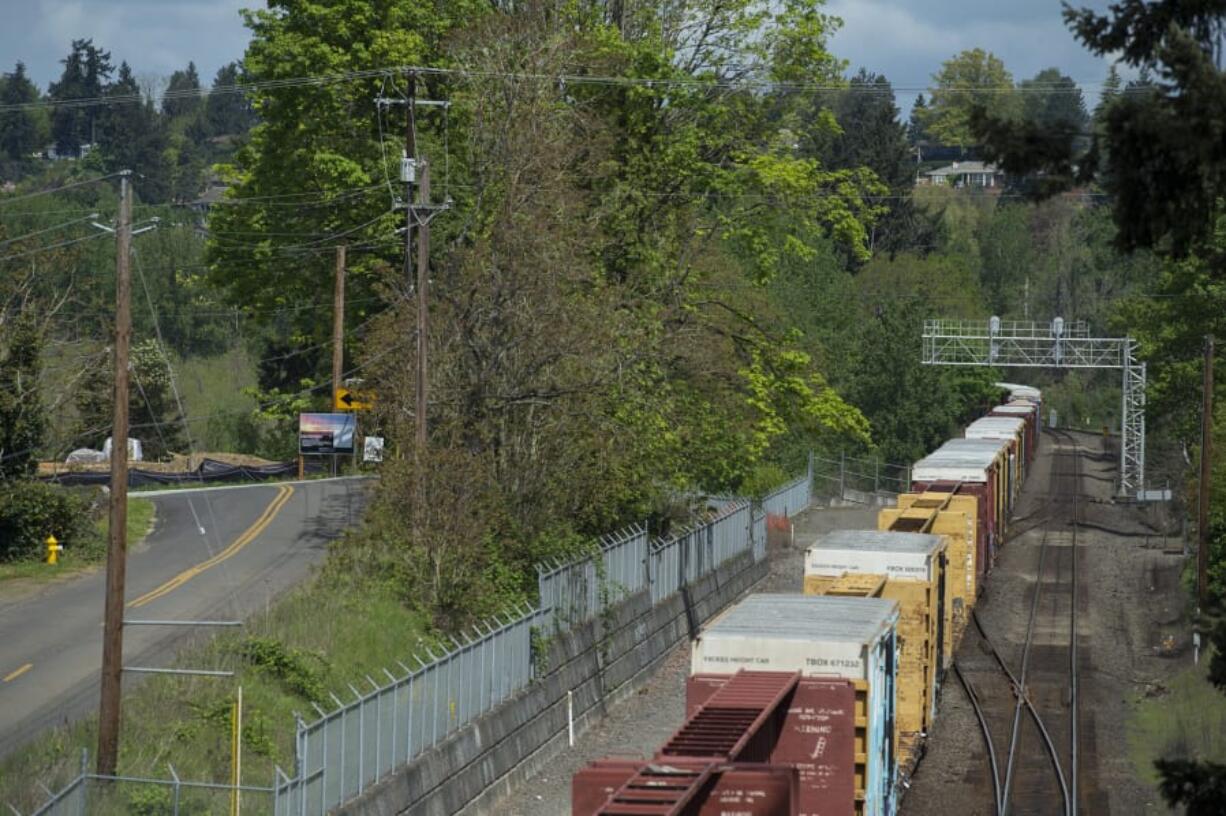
(10, 199)
(29, 235)
(49, 248)
(751, 84)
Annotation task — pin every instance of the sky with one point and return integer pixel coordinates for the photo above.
(906, 40)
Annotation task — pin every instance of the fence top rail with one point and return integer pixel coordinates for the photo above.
(445, 653)
(791, 484)
(607, 542)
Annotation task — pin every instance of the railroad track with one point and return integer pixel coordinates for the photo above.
(1033, 763)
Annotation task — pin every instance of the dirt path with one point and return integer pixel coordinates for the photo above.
(639, 725)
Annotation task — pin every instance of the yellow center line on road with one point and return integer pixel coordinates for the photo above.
(283, 494)
(13, 675)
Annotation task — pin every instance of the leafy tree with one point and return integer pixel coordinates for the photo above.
(1162, 151)
(152, 411)
(182, 97)
(23, 425)
(973, 78)
(21, 131)
(227, 113)
(86, 71)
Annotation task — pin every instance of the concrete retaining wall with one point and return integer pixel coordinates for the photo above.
(599, 662)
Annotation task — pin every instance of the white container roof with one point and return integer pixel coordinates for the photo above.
(806, 618)
(878, 541)
(995, 427)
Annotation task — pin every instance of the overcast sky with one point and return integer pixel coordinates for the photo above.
(904, 39)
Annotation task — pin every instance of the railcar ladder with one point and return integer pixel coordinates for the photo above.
(719, 732)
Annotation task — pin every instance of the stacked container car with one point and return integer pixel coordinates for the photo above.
(909, 568)
(818, 703)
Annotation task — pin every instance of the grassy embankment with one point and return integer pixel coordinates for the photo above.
(75, 560)
(1188, 721)
(315, 641)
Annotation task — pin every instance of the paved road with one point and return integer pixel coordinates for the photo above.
(257, 541)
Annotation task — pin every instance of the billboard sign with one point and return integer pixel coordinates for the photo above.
(326, 433)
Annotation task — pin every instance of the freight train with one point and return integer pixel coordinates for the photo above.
(817, 704)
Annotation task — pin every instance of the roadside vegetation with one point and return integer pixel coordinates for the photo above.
(316, 640)
(680, 281)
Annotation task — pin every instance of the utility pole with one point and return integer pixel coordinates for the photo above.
(338, 324)
(116, 553)
(423, 309)
(408, 174)
(1206, 456)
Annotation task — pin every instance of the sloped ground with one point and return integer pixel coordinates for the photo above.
(638, 726)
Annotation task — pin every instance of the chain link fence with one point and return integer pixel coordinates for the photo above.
(390, 720)
(856, 479)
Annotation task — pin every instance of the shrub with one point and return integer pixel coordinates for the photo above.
(30, 511)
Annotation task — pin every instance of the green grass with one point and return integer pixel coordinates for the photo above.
(1189, 721)
(332, 635)
(140, 521)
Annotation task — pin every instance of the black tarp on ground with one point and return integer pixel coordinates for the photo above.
(210, 470)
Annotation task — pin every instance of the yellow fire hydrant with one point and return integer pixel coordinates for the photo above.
(53, 550)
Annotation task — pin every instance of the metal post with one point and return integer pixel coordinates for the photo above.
(338, 325)
(116, 555)
(175, 777)
(842, 475)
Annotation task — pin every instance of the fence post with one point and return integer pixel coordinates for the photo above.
(842, 475)
(876, 471)
(175, 777)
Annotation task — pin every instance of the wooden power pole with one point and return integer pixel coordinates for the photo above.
(408, 174)
(116, 553)
(423, 309)
(338, 324)
(1206, 457)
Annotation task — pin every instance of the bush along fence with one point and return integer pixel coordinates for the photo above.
(849, 478)
(390, 720)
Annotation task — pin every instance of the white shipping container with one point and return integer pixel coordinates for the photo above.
(995, 428)
(895, 555)
(813, 634)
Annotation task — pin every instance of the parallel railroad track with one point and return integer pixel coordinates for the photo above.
(1037, 770)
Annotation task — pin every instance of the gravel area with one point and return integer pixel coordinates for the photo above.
(637, 726)
(1129, 607)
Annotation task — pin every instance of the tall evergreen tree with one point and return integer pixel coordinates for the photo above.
(86, 71)
(20, 131)
(132, 136)
(874, 137)
(182, 96)
(917, 130)
(228, 113)
(1053, 100)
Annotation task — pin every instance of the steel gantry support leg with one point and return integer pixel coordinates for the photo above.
(1132, 442)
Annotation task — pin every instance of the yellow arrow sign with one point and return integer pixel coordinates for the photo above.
(346, 399)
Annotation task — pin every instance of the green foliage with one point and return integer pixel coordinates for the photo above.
(1200, 787)
(973, 78)
(23, 424)
(31, 511)
(23, 131)
(297, 671)
(152, 410)
(86, 71)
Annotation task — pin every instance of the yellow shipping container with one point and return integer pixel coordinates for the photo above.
(955, 517)
(915, 689)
